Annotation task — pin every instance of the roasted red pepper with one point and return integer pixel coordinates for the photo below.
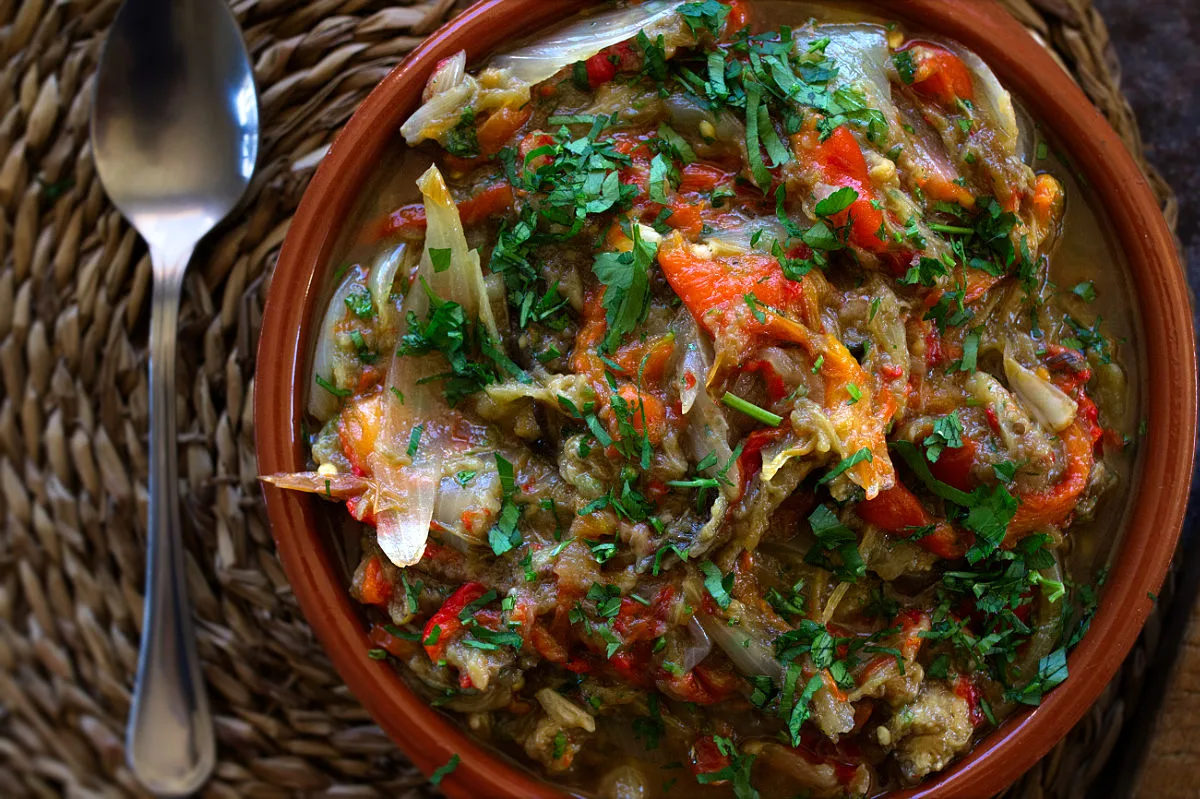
(897, 510)
(410, 219)
(375, 589)
(446, 619)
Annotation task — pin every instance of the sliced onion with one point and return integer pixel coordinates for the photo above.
(564, 711)
(463, 281)
(580, 41)
(383, 278)
(409, 484)
(699, 648)
(449, 73)
(995, 102)
(339, 485)
(744, 644)
(707, 428)
(750, 654)
(450, 90)
(321, 403)
(1045, 401)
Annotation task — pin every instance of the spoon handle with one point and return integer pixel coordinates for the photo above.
(169, 741)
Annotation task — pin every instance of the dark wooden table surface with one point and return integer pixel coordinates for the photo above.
(1158, 42)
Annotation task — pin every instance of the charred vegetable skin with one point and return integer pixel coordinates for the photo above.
(717, 427)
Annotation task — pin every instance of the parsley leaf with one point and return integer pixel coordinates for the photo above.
(718, 586)
(359, 301)
(462, 140)
(626, 278)
(504, 535)
(837, 202)
(834, 538)
(947, 432)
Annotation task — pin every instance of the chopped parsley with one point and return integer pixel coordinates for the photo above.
(947, 432)
(626, 278)
(504, 535)
(718, 586)
(445, 771)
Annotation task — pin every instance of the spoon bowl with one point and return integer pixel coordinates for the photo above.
(175, 140)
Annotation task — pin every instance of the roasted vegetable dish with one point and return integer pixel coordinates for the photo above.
(725, 414)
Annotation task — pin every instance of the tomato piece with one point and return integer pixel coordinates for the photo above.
(966, 688)
(705, 757)
(631, 666)
(698, 177)
(938, 73)
(600, 69)
(375, 589)
(690, 687)
(737, 18)
(841, 161)
(500, 127)
(912, 622)
(953, 466)
(636, 622)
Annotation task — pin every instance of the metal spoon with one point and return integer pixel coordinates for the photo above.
(175, 138)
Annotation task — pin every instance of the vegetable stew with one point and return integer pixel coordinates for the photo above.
(730, 398)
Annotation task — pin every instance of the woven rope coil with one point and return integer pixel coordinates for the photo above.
(74, 280)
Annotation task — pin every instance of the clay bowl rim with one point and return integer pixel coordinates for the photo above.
(1023, 66)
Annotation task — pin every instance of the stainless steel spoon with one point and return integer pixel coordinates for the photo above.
(175, 138)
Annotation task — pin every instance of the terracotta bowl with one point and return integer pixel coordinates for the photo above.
(430, 738)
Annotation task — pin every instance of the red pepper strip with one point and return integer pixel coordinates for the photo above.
(410, 219)
(953, 466)
(841, 162)
(897, 510)
(715, 290)
(776, 388)
(942, 189)
(938, 73)
(375, 589)
(446, 618)
(379, 638)
(1053, 505)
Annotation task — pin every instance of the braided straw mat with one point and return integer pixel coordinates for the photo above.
(74, 302)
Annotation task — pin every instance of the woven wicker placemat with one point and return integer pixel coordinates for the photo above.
(73, 413)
